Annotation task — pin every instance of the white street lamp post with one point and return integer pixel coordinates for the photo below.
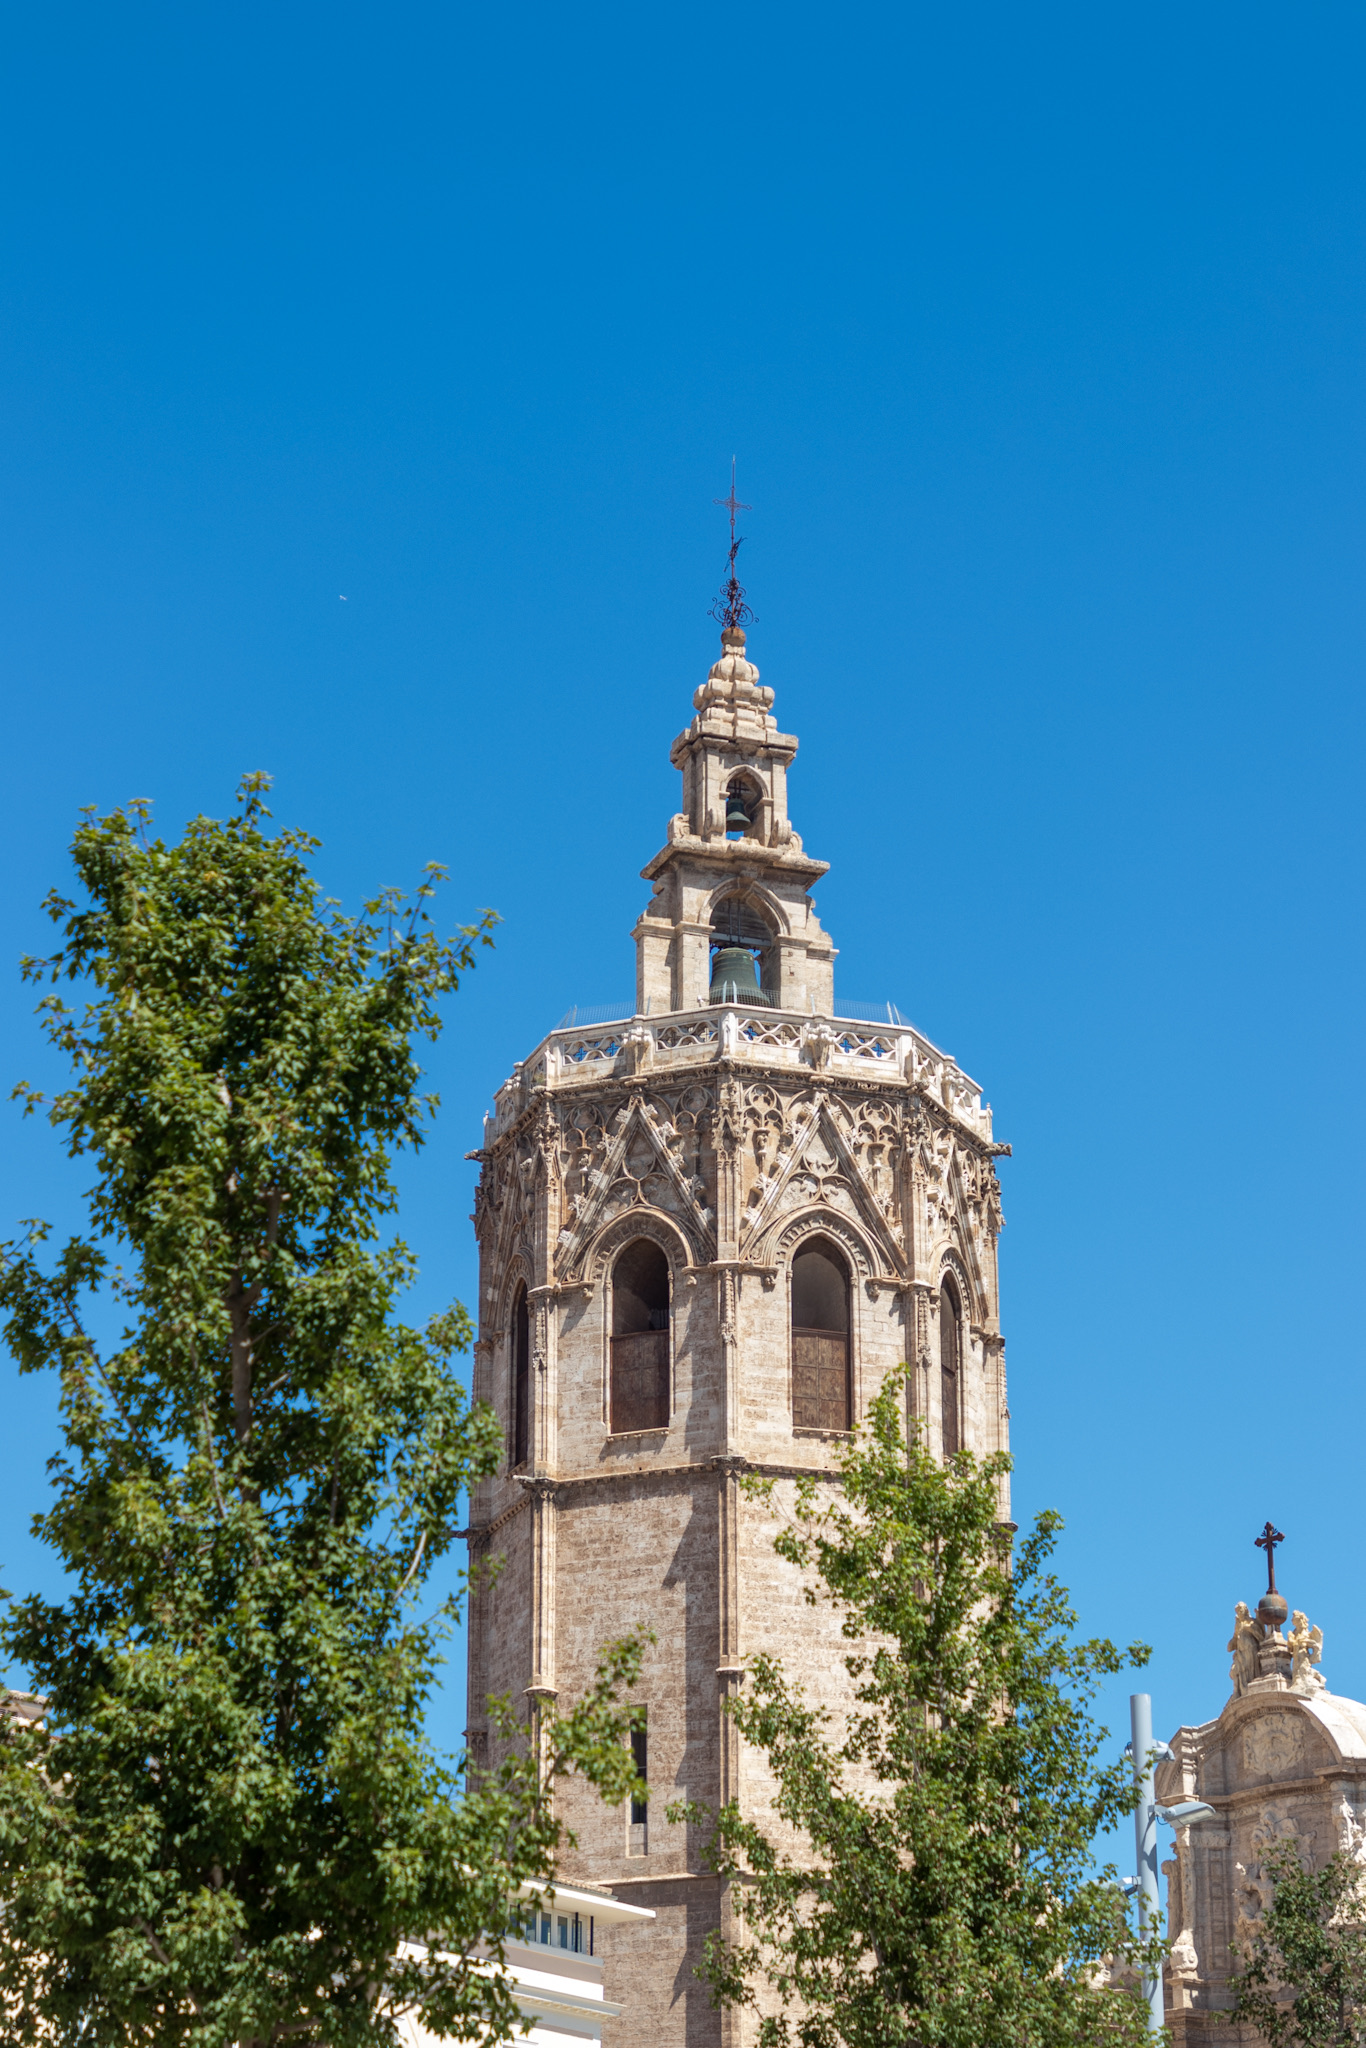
(1146, 1816)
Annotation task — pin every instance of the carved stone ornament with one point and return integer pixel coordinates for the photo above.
(1272, 1746)
(818, 1042)
(1306, 1649)
(636, 1046)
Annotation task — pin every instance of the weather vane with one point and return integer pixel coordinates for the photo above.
(730, 608)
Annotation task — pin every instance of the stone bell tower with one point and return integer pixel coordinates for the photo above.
(707, 1232)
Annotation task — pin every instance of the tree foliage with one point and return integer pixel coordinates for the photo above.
(1303, 1981)
(930, 1879)
(229, 1824)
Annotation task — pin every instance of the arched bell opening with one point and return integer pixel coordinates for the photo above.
(820, 1337)
(743, 798)
(640, 1338)
(743, 956)
(950, 1368)
(521, 1381)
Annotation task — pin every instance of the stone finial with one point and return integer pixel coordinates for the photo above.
(733, 680)
(1273, 1655)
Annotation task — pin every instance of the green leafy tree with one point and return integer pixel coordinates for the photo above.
(942, 1889)
(1303, 1982)
(228, 1827)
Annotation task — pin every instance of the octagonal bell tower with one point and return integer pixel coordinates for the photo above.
(707, 1232)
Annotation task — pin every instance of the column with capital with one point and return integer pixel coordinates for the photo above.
(542, 1690)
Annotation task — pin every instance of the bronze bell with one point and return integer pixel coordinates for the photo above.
(733, 979)
(737, 817)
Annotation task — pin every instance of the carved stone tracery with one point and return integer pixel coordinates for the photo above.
(881, 1160)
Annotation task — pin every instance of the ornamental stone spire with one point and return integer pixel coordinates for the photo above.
(733, 870)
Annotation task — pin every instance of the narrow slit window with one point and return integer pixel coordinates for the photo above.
(950, 1368)
(640, 1338)
(638, 1832)
(820, 1338)
(640, 1758)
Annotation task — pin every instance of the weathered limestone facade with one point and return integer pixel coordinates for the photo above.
(1285, 1758)
(659, 1197)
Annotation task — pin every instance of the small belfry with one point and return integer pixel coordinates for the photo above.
(731, 906)
(708, 1231)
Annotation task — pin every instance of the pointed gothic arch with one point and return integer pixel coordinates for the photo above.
(961, 1256)
(742, 938)
(967, 1279)
(822, 1376)
(784, 1240)
(637, 1221)
(641, 1321)
(950, 1365)
(613, 1205)
(521, 1418)
(761, 902)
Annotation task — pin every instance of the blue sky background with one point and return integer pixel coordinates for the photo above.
(1038, 335)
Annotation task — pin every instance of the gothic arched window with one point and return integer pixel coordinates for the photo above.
(820, 1337)
(640, 1338)
(950, 1366)
(521, 1381)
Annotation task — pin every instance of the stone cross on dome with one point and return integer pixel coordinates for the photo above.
(1267, 1541)
(1263, 1658)
(1271, 1608)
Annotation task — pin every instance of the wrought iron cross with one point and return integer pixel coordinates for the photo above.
(1267, 1541)
(730, 608)
(733, 505)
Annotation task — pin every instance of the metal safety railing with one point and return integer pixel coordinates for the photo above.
(579, 1015)
(570, 1931)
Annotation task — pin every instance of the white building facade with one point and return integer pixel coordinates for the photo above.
(554, 1967)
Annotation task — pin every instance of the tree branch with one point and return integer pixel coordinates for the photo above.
(87, 1343)
(274, 1203)
(159, 1952)
(240, 1346)
(213, 1462)
(417, 1559)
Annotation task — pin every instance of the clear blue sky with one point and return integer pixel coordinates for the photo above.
(1038, 334)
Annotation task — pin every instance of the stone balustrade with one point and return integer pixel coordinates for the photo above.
(737, 1031)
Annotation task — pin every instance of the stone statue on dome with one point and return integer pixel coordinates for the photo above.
(1244, 1644)
(1306, 1649)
